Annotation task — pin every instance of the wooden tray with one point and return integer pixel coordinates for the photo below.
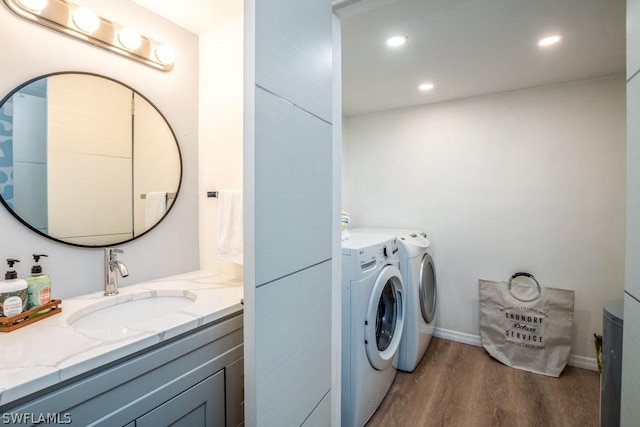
(8, 324)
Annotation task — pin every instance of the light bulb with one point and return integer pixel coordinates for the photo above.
(426, 86)
(34, 5)
(165, 54)
(129, 38)
(86, 19)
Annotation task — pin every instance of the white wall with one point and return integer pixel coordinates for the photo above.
(220, 130)
(532, 180)
(31, 50)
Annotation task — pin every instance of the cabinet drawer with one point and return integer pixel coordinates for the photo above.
(201, 405)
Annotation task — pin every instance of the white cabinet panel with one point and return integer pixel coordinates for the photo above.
(293, 335)
(292, 188)
(633, 37)
(630, 399)
(321, 416)
(632, 273)
(293, 52)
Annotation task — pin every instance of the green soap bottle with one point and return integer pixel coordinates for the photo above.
(39, 285)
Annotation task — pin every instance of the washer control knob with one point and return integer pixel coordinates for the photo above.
(386, 251)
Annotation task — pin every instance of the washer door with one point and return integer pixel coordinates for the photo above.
(385, 318)
(427, 288)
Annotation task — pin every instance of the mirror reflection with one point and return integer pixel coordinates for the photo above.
(86, 160)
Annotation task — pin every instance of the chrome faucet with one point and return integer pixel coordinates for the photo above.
(111, 267)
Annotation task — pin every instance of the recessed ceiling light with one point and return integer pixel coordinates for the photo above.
(396, 41)
(551, 40)
(426, 87)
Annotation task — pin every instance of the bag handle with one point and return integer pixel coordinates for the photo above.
(530, 276)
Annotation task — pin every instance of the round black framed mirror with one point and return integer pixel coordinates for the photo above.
(86, 160)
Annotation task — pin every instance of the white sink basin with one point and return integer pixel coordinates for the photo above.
(122, 311)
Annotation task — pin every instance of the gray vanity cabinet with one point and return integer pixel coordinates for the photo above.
(195, 379)
(201, 405)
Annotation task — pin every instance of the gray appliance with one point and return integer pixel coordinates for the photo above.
(611, 379)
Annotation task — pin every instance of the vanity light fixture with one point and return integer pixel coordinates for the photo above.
(425, 87)
(550, 40)
(84, 24)
(396, 41)
(35, 5)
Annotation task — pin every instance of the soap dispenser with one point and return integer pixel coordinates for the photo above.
(39, 285)
(13, 292)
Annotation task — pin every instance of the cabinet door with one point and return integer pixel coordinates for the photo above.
(201, 405)
(234, 379)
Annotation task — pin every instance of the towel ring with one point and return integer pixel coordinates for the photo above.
(530, 276)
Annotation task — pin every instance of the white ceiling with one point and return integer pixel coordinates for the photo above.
(465, 47)
(473, 47)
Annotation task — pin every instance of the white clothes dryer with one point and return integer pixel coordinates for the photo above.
(373, 312)
(419, 273)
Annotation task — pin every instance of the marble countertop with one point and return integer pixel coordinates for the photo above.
(50, 351)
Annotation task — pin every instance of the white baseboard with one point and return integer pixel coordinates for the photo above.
(589, 363)
(457, 336)
(464, 338)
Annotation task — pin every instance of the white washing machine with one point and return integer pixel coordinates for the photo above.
(373, 313)
(418, 271)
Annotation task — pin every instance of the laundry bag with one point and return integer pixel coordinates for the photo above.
(527, 327)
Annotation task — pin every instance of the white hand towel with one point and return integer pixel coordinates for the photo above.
(154, 208)
(230, 225)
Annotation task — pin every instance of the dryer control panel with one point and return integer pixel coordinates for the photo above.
(414, 243)
(389, 249)
(382, 253)
(368, 257)
(364, 260)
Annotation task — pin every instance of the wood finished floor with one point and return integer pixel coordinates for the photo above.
(460, 385)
